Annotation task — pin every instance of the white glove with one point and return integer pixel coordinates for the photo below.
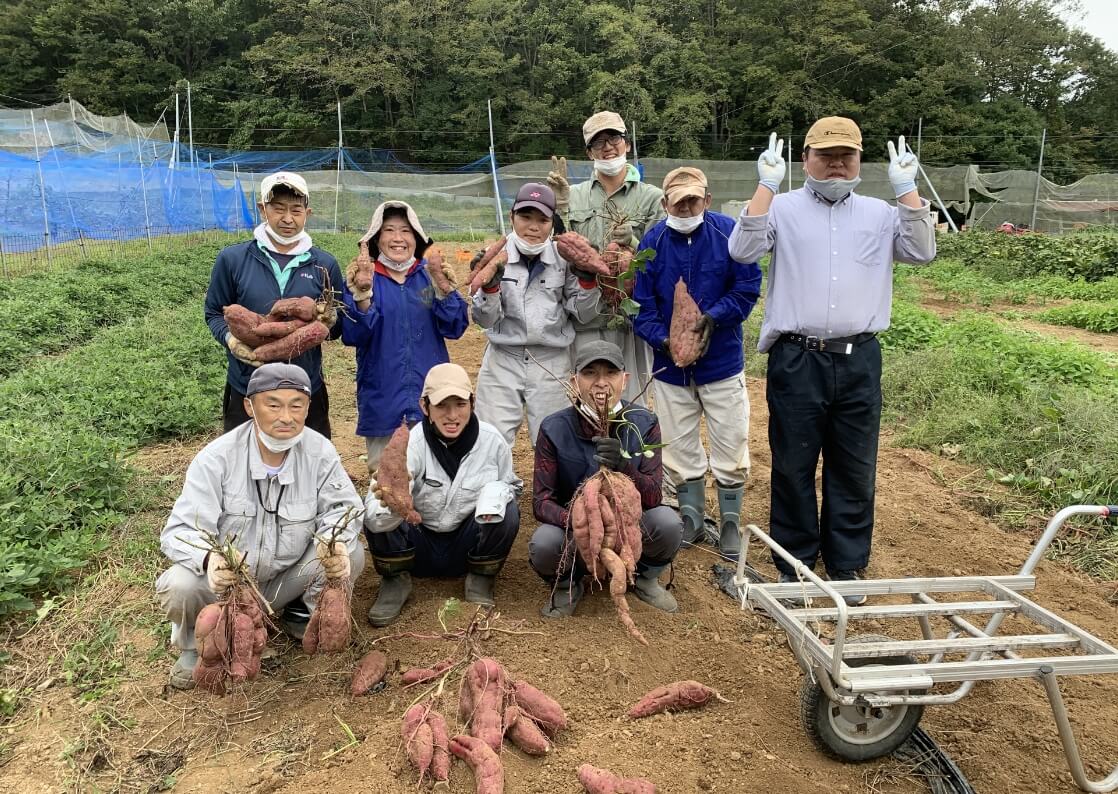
(219, 575)
(373, 502)
(771, 166)
(241, 351)
(903, 168)
(334, 561)
(559, 183)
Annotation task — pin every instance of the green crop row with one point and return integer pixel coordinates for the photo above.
(1098, 317)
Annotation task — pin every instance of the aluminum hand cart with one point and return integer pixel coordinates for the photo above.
(863, 695)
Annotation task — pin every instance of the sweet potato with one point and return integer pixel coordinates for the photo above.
(489, 775)
(243, 323)
(277, 329)
(365, 267)
(673, 697)
(440, 740)
(418, 741)
(394, 479)
(368, 673)
(615, 289)
(231, 637)
(577, 250)
(522, 731)
(487, 680)
(466, 699)
(329, 627)
(617, 587)
(441, 276)
(292, 309)
(417, 675)
(541, 707)
(495, 256)
(294, 344)
(683, 339)
(602, 781)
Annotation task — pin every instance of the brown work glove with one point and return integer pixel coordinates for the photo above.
(241, 351)
(622, 234)
(350, 278)
(440, 273)
(559, 184)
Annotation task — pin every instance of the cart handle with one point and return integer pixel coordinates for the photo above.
(1053, 528)
(803, 572)
(1067, 735)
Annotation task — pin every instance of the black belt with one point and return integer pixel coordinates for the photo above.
(842, 344)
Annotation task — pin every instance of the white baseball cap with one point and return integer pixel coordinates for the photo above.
(269, 183)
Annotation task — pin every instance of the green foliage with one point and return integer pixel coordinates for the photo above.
(1099, 317)
(47, 314)
(1089, 255)
(910, 328)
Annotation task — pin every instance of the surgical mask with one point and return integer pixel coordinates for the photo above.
(279, 238)
(397, 267)
(526, 248)
(685, 225)
(612, 166)
(833, 189)
(276, 444)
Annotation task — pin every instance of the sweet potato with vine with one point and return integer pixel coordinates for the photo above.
(393, 477)
(293, 309)
(419, 742)
(230, 637)
(362, 268)
(329, 627)
(487, 684)
(541, 707)
(417, 675)
(522, 731)
(683, 339)
(440, 740)
(243, 323)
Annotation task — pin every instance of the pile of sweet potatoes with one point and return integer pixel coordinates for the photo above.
(494, 256)
(329, 627)
(426, 741)
(617, 258)
(683, 337)
(291, 328)
(604, 520)
(231, 636)
(393, 478)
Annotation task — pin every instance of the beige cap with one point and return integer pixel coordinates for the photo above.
(832, 131)
(606, 120)
(683, 182)
(293, 181)
(446, 380)
(422, 241)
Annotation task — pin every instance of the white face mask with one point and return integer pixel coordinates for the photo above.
(526, 248)
(612, 166)
(685, 225)
(396, 267)
(279, 238)
(276, 444)
(833, 189)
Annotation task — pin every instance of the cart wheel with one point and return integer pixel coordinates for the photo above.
(857, 733)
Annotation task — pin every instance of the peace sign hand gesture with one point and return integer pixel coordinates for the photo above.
(771, 166)
(903, 168)
(557, 181)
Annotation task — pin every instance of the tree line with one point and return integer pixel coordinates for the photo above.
(701, 78)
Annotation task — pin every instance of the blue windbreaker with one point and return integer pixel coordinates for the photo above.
(398, 340)
(725, 289)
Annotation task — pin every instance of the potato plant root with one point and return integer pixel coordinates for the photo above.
(231, 636)
(683, 339)
(577, 250)
(329, 628)
(489, 774)
(440, 740)
(369, 672)
(294, 344)
(495, 256)
(394, 479)
(617, 258)
(673, 697)
(602, 781)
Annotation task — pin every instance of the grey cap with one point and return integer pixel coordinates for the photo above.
(278, 376)
(599, 351)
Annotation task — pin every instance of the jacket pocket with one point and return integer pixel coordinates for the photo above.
(295, 529)
(430, 501)
(237, 518)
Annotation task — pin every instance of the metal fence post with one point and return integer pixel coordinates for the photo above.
(3, 259)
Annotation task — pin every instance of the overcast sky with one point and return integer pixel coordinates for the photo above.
(1100, 19)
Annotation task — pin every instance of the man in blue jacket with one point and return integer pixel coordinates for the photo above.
(692, 243)
(279, 262)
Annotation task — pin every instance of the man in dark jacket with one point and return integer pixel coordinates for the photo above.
(692, 244)
(568, 452)
(279, 262)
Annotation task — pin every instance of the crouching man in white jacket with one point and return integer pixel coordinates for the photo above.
(464, 489)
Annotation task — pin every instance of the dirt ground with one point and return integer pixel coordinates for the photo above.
(287, 731)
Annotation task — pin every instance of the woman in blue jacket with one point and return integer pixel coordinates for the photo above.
(399, 325)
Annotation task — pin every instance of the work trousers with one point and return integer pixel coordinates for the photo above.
(829, 404)
(510, 383)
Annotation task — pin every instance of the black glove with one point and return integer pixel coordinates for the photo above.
(704, 327)
(477, 258)
(608, 452)
(494, 282)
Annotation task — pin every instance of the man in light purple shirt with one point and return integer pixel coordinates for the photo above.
(830, 292)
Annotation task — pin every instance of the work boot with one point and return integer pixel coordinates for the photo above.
(479, 589)
(649, 590)
(182, 674)
(852, 600)
(564, 599)
(692, 506)
(729, 510)
(294, 619)
(393, 594)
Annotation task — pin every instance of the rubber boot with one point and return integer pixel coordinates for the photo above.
(393, 594)
(692, 506)
(182, 674)
(649, 590)
(294, 619)
(563, 599)
(729, 511)
(480, 577)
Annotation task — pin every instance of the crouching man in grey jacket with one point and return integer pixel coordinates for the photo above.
(272, 484)
(464, 489)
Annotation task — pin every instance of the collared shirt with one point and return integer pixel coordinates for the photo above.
(228, 492)
(831, 272)
(534, 306)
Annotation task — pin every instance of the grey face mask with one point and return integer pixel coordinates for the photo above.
(833, 189)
